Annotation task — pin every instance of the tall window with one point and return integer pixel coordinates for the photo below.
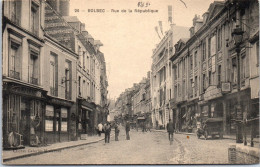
(196, 85)
(234, 71)
(179, 69)
(84, 89)
(14, 61)
(195, 59)
(80, 56)
(34, 18)
(191, 88)
(219, 39)
(210, 77)
(209, 47)
(84, 63)
(203, 51)
(204, 81)
(79, 83)
(244, 67)
(88, 63)
(53, 75)
(257, 53)
(175, 73)
(191, 62)
(34, 68)
(68, 80)
(219, 75)
(15, 11)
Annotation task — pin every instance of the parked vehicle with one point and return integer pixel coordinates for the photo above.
(211, 127)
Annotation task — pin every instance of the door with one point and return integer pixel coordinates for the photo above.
(25, 121)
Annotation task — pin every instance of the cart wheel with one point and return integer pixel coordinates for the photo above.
(206, 135)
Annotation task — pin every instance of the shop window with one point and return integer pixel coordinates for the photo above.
(49, 117)
(64, 119)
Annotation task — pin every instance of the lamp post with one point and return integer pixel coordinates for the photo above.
(237, 35)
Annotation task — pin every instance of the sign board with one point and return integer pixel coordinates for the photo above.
(225, 87)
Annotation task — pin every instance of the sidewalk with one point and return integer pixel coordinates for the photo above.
(232, 137)
(8, 155)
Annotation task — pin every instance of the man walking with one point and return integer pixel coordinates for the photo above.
(127, 129)
(100, 127)
(116, 131)
(170, 130)
(107, 129)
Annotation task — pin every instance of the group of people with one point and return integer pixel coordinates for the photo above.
(107, 129)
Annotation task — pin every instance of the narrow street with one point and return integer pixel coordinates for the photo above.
(143, 148)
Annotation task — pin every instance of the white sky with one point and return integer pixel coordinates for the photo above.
(129, 38)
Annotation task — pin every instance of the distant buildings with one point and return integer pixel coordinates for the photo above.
(54, 75)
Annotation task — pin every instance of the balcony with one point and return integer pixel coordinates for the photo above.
(15, 19)
(53, 91)
(14, 74)
(34, 81)
(67, 95)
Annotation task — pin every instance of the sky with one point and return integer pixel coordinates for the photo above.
(129, 38)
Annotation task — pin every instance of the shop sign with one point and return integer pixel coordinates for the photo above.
(225, 87)
(60, 102)
(26, 91)
(212, 92)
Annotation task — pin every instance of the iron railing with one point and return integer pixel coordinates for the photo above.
(34, 81)
(14, 74)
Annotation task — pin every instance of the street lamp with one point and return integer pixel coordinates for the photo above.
(237, 35)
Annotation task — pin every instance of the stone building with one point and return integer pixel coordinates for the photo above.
(161, 91)
(22, 57)
(205, 68)
(53, 71)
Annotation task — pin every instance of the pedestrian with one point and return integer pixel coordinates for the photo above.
(100, 127)
(116, 131)
(107, 129)
(127, 129)
(170, 129)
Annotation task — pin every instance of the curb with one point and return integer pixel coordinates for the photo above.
(47, 151)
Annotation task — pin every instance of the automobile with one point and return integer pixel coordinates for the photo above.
(213, 127)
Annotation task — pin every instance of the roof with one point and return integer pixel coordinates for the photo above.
(71, 18)
(90, 48)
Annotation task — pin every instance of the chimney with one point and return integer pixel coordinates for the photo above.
(191, 31)
(85, 33)
(148, 75)
(205, 16)
(64, 7)
(82, 27)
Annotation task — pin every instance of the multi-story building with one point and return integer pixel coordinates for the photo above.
(41, 70)
(23, 56)
(206, 67)
(161, 90)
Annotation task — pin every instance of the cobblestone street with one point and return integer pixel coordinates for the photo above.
(143, 148)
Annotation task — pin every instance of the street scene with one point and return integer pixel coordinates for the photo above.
(133, 82)
(143, 148)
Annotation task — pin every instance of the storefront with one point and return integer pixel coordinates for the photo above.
(58, 120)
(23, 107)
(86, 118)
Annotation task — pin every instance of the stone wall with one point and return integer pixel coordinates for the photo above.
(240, 154)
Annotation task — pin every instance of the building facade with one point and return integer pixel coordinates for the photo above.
(206, 69)
(161, 90)
(45, 59)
